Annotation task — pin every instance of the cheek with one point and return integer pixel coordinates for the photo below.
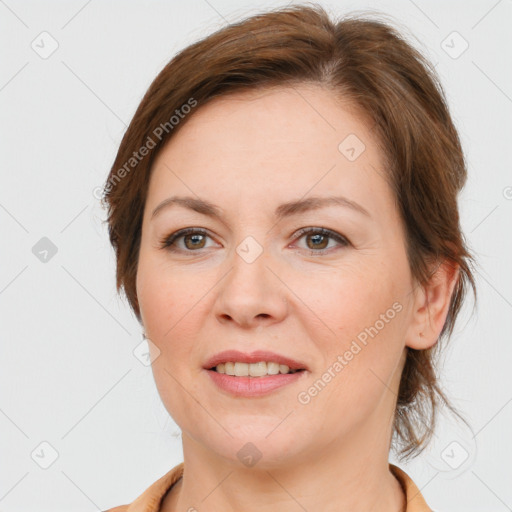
(165, 296)
(349, 300)
(170, 311)
(361, 317)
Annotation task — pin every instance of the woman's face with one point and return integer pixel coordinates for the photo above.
(249, 280)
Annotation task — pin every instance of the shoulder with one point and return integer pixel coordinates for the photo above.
(153, 494)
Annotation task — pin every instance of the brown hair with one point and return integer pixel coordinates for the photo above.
(363, 61)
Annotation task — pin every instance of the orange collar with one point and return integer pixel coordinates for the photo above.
(150, 499)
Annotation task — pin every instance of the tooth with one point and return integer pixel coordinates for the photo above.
(258, 369)
(272, 368)
(283, 368)
(242, 369)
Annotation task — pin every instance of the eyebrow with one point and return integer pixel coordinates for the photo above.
(282, 211)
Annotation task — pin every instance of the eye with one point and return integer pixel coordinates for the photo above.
(193, 239)
(317, 239)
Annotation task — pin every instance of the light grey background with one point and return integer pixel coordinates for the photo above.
(68, 374)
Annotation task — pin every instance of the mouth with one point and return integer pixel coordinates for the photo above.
(253, 375)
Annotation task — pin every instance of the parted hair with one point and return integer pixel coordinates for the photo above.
(367, 63)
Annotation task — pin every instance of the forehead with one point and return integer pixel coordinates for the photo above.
(300, 113)
(282, 141)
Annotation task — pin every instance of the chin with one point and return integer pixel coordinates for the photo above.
(258, 446)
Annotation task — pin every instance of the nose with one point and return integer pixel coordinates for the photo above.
(252, 293)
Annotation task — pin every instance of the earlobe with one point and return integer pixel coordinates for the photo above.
(431, 307)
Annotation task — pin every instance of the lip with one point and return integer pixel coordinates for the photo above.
(251, 387)
(253, 357)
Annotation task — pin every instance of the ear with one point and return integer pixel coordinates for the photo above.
(431, 304)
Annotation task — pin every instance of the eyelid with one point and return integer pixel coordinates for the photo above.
(168, 240)
(322, 231)
(334, 235)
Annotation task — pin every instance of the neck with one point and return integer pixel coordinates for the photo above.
(359, 480)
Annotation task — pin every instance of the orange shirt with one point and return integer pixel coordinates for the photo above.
(150, 499)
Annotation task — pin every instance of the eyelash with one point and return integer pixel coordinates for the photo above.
(169, 241)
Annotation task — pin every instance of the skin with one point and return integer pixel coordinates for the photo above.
(248, 153)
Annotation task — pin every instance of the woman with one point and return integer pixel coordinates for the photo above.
(283, 208)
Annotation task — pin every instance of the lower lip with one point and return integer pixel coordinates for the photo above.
(252, 386)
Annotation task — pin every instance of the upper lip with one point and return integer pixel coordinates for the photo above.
(252, 357)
